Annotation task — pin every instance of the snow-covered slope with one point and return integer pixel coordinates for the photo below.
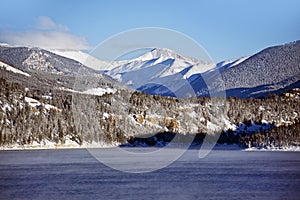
(12, 69)
(85, 59)
(160, 71)
(230, 63)
(164, 72)
(160, 66)
(48, 70)
(40, 60)
(272, 70)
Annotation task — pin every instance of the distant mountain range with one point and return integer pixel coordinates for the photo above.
(38, 68)
(50, 99)
(164, 72)
(271, 70)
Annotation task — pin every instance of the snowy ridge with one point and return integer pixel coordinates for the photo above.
(85, 59)
(231, 63)
(164, 53)
(12, 69)
(160, 66)
(199, 68)
(164, 72)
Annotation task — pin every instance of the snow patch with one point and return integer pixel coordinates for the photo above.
(32, 102)
(99, 91)
(6, 106)
(212, 127)
(229, 125)
(261, 108)
(92, 91)
(35, 104)
(12, 69)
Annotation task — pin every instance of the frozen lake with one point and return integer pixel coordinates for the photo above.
(223, 174)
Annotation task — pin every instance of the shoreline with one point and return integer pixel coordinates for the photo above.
(217, 147)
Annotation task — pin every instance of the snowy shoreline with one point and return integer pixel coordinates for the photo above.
(51, 145)
(236, 147)
(284, 149)
(217, 147)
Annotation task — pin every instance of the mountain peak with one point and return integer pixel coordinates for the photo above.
(166, 53)
(163, 52)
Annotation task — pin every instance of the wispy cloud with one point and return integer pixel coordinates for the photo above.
(47, 34)
(46, 23)
(47, 40)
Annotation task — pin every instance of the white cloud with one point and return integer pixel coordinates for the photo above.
(46, 23)
(47, 35)
(47, 40)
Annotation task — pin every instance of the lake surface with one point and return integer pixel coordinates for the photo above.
(223, 174)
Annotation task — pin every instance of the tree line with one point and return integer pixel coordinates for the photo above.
(112, 118)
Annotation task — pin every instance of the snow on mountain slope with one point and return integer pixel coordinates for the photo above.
(83, 58)
(271, 70)
(12, 69)
(160, 71)
(199, 68)
(231, 63)
(159, 66)
(40, 60)
(35, 104)
(88, 60)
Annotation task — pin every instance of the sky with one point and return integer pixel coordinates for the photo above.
(226, 29)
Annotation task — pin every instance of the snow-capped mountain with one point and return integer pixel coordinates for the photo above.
(271, 70)
(160, 71)
(158, 67)
(86, 59)
(37, 88)
(48, 70)
(165, 72)
(36, 59)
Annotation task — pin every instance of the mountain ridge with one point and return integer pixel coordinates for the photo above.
(47, 107)
(48, 70)
(277, 66)
(164, 72)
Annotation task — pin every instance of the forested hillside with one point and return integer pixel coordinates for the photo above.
(60, 117)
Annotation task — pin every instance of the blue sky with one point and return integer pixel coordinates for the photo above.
(225, 28)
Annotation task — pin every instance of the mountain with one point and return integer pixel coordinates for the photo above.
(191, 75)
(50, 100)
(272, 70)
(36, 59)
(164, 72)
(85, 59)
(160, 66)
(39, 68)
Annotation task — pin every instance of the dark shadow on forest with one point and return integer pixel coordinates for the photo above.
(248, 134)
